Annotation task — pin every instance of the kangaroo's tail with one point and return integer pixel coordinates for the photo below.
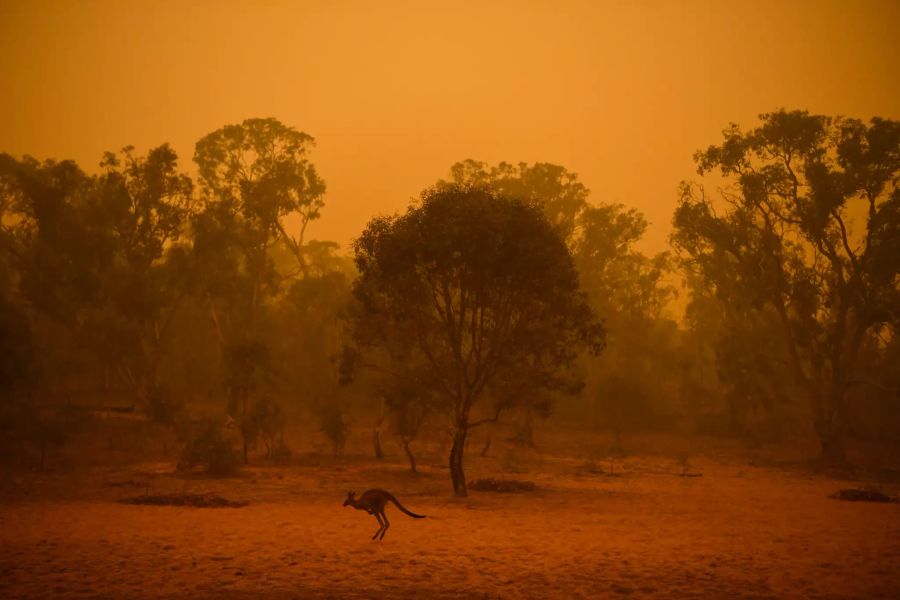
(403, 509)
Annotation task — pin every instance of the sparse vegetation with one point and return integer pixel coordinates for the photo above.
(502, 485)
(193, 500)
(623, 347)
(209, 449)
(332, 424)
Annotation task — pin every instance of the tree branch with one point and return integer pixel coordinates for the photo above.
(493, 419)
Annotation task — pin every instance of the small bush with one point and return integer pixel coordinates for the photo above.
(163, 406)
(212, 451)
(28, 434)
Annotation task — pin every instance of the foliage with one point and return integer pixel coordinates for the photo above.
(626, 288)
(809, 230)
(620, 280)
(258, 171)
(479, 284)
(92, 253)
(255, 175)
(560, 194)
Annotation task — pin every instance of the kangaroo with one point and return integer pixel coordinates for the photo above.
(373, 502)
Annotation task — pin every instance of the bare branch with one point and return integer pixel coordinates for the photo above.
(499, 408)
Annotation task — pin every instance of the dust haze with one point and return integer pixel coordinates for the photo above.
(451, 300)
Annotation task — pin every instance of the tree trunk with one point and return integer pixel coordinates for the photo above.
(376, 431)
(244, 432)
(487, 446)
(457, 475)
(409, 454)
(376, 444)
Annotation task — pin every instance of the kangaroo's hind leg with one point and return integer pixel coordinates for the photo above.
(385, 526)
(380, 525)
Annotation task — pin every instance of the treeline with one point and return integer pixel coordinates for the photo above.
(504, 293)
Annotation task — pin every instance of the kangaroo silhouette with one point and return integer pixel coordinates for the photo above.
(373, 502)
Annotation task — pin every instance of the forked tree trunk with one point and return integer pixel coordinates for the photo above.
(457, 474)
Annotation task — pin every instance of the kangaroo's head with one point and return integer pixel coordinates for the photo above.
(350, 498)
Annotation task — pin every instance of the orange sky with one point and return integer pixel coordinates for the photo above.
(394, 92)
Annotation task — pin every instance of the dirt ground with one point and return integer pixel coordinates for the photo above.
(739, 531)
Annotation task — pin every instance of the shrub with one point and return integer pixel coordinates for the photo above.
(211, 450)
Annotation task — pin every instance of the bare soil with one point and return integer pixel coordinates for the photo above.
(740, 531)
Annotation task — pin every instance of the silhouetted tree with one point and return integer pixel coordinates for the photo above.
(99, 256)
(483, 284)
(259, 170)
(254, 175)
(18, 372)
(783, 239)
(558, 191)
(408, 406)
(747, 376)
(626, 288)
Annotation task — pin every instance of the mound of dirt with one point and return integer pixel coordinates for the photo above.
(195, 500)
(501, 485)
(856, 495)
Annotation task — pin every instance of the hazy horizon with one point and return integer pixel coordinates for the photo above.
(621, 93)
(674, 386)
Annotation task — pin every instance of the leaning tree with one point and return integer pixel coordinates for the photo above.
(808, 229)
(483, 288)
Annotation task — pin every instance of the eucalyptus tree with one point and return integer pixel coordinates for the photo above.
(808, 228)
(258, 185)
(626, 287)
(97, 255)
(484, 287)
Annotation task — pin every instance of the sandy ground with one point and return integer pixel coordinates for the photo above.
(738, 531)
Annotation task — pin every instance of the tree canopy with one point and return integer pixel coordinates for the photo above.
(810, 229)
(482, 285)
